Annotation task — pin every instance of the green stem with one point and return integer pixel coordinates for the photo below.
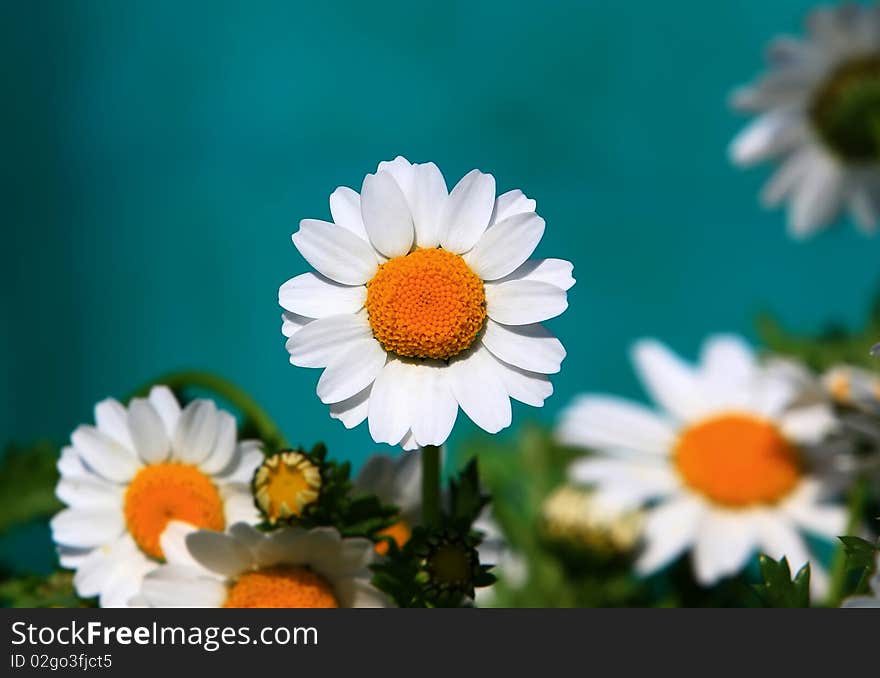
(267, 430)
(431, 485)
(855, 508)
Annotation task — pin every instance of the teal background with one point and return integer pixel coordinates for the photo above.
(157, 156)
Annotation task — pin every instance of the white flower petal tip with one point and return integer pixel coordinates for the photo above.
(405, 367)
(149, 458)
(699, 466)
(221, 569)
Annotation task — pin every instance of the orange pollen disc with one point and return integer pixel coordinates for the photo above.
(281, 586)
(426, 304)
(737, 460)
(170, 491)
(399, 532)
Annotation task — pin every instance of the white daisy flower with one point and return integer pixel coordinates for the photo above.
(138, 468)
(854, 387)
(398, 482)
(425, 300)
(290, 567)
(723, 466)
(817, 109)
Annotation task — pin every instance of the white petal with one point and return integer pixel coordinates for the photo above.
(90, 492)
(480, 392)
(468, 211)
(322, 341)
(70, 465)
(238, 505)
(87, 527)
(337, 253)
(111, 418)
(219, 553)
(672, 384)
(402, 170)
(345, 207)
(147, 431)
(531, 388)
(510, 203)
(771, 134)
(826, 520)
(315, 296)
(523, 302)
(180, 586)
(810, 424)
(641, 481)
(669, 530)
(557, 272)
(408, 442)
(531, 347)
(291, 323)
(386, 215)
(727, 362)
(352, 411)
(778, 538)
(173, 542)
(427, 200)
(224, 445)
(506, 246)
(725, 541)
(248, 456)
(351, 372)
(166, 406)
(103, 454)
(389, 408)
(196, 432)
(816, 200)
(608, 423)
(864, 207)
(434, 408)
(787, 178)
(359, 593)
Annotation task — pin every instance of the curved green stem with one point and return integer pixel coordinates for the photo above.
(431, 485)
(856, 507)
(267, 430)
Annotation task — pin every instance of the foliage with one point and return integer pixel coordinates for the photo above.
(835, 346)
(29, 474)
(56, 590)
(778, 589)
(860, 563)
(352, 516)
(440, 566)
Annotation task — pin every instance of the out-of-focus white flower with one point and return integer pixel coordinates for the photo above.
(139, 468)
(818, 107)
(290, 567)
(721, 464)
(424, 301)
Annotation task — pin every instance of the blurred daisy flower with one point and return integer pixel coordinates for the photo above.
(136, 470)
(724, 465)
(288, 568)
(819, 110)
(424, 301)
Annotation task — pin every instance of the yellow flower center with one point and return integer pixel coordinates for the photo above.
(399, 532)
(281, 586)
(737, 460)
(170, 491)
(426, 304)
(285, 484)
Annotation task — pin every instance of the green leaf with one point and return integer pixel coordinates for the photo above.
(860, 553)
(466, 498)
(778, 589)
(56, 590)
(28, 476)
(836, 345)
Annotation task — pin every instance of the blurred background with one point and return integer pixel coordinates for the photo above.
(157, 156)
